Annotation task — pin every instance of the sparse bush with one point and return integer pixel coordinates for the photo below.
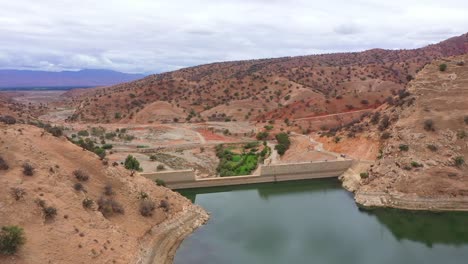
(429, 125)
(466, 120)
(11, 238)
(385, 135)
(442, 67)
(416, 164)
(384, 123)
(459, 161)
(87, 203)
(55, 131)
(404, 147)
(147, 207)
(364, 175)
(9, 120)
(28, 169)
(108, 207)
(160, 167)
(108, 190)
(461, 134)
(49, 212)
(432, 147)
(17, 193)
(165, 205)
(78, 186)
(160, 182)
(81, 175)
(83, 133)
(262, 135)
(3, 164)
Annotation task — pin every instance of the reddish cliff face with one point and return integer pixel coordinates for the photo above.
(291, 87)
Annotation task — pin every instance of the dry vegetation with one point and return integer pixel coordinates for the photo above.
(290, 87)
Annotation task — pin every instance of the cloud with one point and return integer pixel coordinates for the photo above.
(155, 36)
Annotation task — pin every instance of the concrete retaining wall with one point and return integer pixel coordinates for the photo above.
(172, 176)
(268, 173)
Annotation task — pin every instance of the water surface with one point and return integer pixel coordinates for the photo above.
(316, 222)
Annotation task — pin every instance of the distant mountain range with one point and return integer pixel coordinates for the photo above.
(83, 78)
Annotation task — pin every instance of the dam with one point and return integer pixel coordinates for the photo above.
(186, 179)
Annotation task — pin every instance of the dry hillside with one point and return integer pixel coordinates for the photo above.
(290, 87)
(110, 229)
(424, 147)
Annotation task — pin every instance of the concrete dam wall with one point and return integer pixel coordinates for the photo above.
(184, 179)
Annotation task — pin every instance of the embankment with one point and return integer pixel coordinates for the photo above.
(405, 201)
(163, 240)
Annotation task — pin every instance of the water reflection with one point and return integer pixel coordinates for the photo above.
(450, 228)
(316, 222)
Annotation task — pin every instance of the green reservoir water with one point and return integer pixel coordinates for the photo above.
(316, 222)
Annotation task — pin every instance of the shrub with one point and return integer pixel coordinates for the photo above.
(336, 139)
(81, 175)
(262, 135)
(49, 212)
(131, 163)
(3, 164)
(432, 147)
(461, 134)
(364, 175)
(108, 207)
(466, 120)
(165, 205)
(28, 169)
(416, 164)
(11, 238)
(459, 161)
(87, 203)
(283, 143)
(108, 190)
(160, 167)
(9, 120)
(147, 207)
(160, 182)
(385, 135)
(429, 125)
(55, 131)
(107, 146)
(78, 187)
(384, 123)
(442, 67)
(17, 193)
(83, 133)
(404, 147)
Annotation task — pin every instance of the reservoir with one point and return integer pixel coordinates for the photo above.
(316, 221)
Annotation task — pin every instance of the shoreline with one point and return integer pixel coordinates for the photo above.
(160, 243)
(369, 200)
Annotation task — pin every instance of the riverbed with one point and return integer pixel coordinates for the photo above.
(316, 221)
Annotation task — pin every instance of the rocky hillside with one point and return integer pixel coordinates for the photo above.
(424, 150)
(290, 87)
(75, 208)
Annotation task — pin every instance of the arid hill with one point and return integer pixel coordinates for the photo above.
(290, 87)
(423, 136)
(74, 208)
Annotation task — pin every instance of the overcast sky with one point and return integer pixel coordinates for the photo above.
(154, 36)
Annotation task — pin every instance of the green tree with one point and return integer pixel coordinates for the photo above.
(131, 163)
(11, 238)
